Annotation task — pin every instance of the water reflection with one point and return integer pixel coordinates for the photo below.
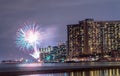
(106, 72)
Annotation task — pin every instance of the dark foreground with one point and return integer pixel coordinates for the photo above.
(48, 68)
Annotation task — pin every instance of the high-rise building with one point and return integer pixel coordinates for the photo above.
(89, 36)
(45, 52)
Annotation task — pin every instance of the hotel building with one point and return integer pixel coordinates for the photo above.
(89, 36)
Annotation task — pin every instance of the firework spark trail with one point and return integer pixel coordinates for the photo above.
(28, 38)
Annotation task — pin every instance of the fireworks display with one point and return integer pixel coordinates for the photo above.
(28, 38)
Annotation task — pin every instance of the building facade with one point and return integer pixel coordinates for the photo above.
(89, 36)
(45, 52)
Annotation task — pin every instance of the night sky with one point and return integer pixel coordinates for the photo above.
(52, 16)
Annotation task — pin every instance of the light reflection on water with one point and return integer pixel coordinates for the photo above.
(106, 72)
(55, 74)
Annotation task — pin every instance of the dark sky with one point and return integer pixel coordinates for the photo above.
(51, 15)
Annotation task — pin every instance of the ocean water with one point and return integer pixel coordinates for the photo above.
(106, 72)
(37, 66)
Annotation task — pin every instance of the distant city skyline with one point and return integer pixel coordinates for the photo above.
(52, 16)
